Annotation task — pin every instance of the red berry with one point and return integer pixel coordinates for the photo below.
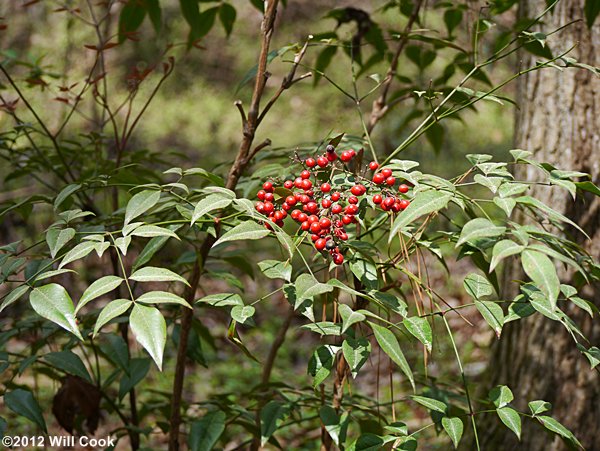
(291, 200)
(306, 184)
(314, 237)
(295, 214)
(269, 197)
(386, 172)
(352, 153)
(377, 199)
(278, 216)
(315, 227)
(325, 223)
(343, 236)
(304, 198)
(298, 182)
(396, 207)
(335, 196)
(269, 207)
(351, 209)
(260, 207)
(285, 206)
(390, 181)
(268, 187)
(326, 203)
(332, 156)
(357, 190)
(261, 194)
(322, 161)
(388, 202)
(403, 188)
(305, 174)
(338, 259)
(336, 209)
(288, 184)
(310, 162)
(347, 219)
(313, 218)
(345, 156)
(302, 217)
(312, 207)
(353, 199)
(305, 226)
(325, 187)
(373, 165)
(404, 204)
(320, 244)
(378, 178)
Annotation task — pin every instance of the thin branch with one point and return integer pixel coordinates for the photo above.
(250, 125)
(288, 81)
(168, 69)
(261, 146)
(240, 163)
(380, 105)
(240, 107)
(39, 120)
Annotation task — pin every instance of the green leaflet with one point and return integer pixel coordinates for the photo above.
(140, 203)
(389, 344)
(150, 330)
(424, 203)
(54, 303)
(454, 428)
(248, 230)
(542, 272)
(111, 311)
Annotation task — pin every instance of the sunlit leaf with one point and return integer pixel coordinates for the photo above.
(150, 330)
(54, 303)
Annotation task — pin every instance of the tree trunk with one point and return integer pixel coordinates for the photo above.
(558, 119)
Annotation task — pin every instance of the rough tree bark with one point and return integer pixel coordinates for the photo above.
(558, 119)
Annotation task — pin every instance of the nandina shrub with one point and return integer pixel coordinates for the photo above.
(345, 233)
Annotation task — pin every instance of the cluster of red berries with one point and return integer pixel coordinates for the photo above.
(322, 210)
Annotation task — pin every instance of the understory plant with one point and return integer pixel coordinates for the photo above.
(122, 253)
